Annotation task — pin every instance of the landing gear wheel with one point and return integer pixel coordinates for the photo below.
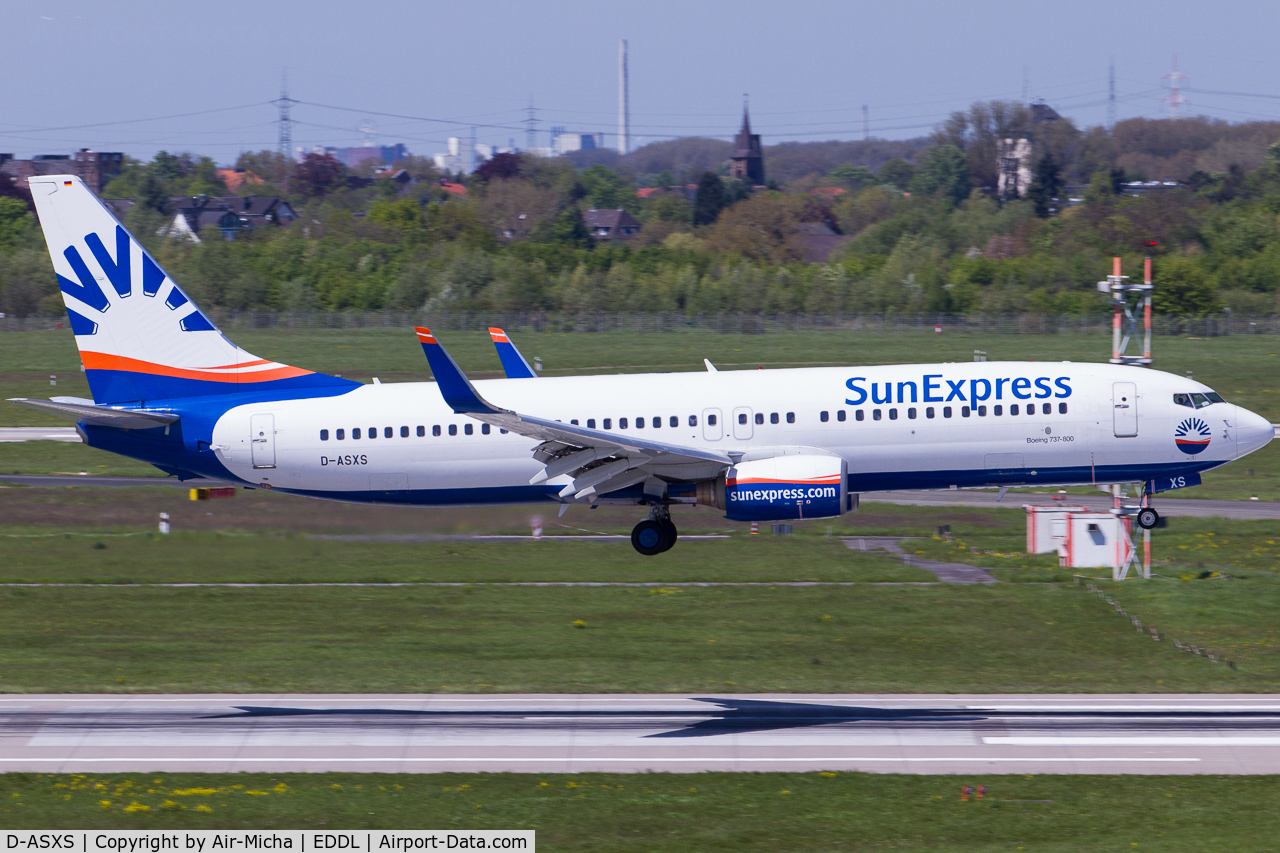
(669, 529)
(650, 538)
(1148, 518)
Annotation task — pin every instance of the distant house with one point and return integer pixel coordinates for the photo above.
(95, 168)
(452, 188)
(820, 241)
(611, 224)
(400, 177)
(231, 215)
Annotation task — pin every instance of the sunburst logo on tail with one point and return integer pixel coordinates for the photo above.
(1192, 436)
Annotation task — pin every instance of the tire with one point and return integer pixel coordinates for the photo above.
(649, 538)
(672, 534)
(1148, 518)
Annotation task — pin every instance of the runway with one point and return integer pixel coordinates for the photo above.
(948, 734)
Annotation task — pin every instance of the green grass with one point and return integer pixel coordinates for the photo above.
(266, 558)
(684, 812)
(841, 639)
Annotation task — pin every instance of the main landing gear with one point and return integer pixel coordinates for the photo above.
(656, 533)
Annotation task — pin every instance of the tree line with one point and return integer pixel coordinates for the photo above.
(921, 230)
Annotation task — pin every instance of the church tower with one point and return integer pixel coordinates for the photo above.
(748, 158)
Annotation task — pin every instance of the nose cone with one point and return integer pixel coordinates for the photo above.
(1252, 432)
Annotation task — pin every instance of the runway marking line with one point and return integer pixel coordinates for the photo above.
(640, 760)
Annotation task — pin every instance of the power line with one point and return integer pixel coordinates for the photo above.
(137, 120)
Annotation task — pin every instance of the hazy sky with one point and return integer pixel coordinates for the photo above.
(114, 76)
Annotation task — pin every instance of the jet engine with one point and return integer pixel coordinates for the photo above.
(780, 488)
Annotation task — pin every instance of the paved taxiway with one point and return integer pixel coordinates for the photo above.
(1166, 734)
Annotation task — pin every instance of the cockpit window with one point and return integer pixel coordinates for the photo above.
(1197, 401)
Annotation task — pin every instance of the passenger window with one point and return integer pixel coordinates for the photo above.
(791, 417)
(341, 434)
(1062, 408)
(608, 423)
(875, 414)
(841, 415)
(711, 420)
(373, 433)
(639, 423)
(389, 432)
(928, 413)
(1045, 408)
(453, 429)
(673, 422)
(503, 431)
(435, 430)
(422, 431)
(1013, 410)
(858, 414)
(946, 411)
(824, 417)
(574, 421)
(468, 429)
(893, 414)
(693, 420)
(742, 417)
(982, 411)
(355, 433)
(760, 418)
(622, 423)
(964, 411)
(657, 422)
(773, 418)
(996, 410)
(911, 413)
(324, 435)
(591, 423)
(484, 429)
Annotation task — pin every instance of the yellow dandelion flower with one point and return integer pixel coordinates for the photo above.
(136, 806)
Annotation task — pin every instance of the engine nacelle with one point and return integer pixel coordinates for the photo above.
(782, 488)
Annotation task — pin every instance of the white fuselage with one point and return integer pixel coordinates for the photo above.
(921, 427)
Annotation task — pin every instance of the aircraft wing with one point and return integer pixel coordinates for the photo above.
(599, 460)
(513, 363)
(89, 413)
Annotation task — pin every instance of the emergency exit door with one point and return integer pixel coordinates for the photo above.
(1124, 408)
(263, 437)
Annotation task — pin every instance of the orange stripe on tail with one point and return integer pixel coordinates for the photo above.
(103, 361)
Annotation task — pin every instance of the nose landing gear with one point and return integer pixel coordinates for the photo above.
(1148, 518)
(656, 533)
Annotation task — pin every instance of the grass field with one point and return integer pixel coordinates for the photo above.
(814, 639)
(705, 811)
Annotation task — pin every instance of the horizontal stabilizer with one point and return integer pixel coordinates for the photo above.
(100, 415)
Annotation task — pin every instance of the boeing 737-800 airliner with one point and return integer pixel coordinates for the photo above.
(170, 389)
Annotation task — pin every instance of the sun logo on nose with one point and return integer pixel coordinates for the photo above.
(1192, 436)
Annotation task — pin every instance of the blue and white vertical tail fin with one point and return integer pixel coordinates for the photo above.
(140, 337)
(513, 363)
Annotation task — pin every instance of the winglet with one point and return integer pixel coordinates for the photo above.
(513, 363)
(453, 383)
(711, 368)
